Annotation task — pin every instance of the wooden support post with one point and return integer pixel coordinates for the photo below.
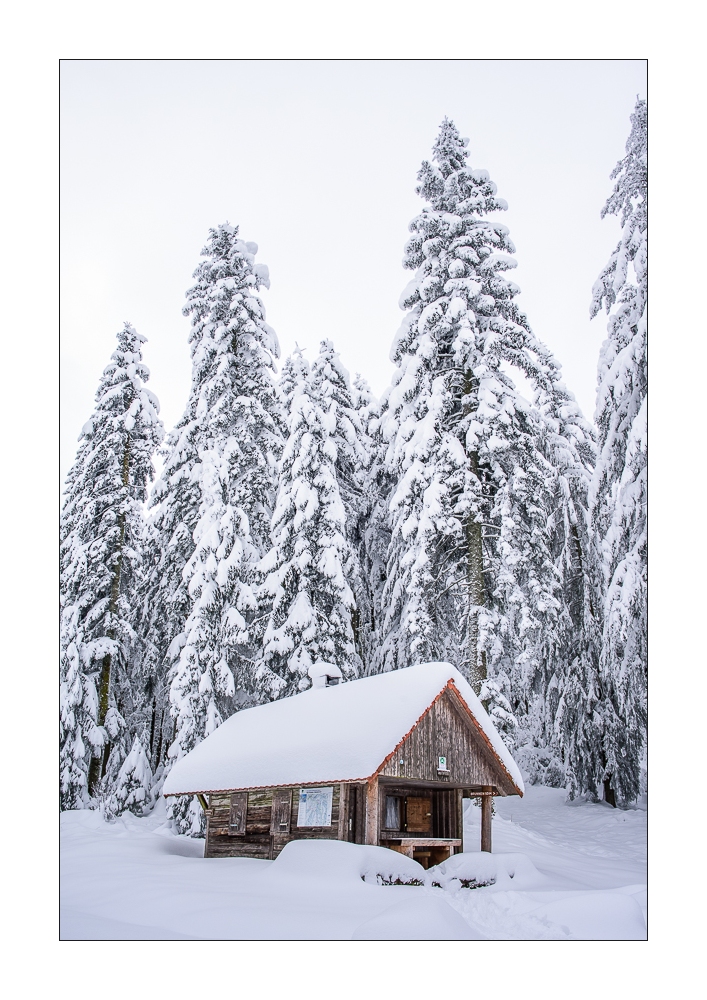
(342, 831)
(459, 832)
(372, 811)
(486, 806)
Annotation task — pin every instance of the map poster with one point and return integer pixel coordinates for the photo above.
(315, 806)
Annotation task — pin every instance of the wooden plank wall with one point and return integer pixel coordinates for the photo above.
(258, 841)
(446, 732)
(444, 813)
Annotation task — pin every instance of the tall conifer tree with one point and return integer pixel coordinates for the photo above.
(370, 535)
(101, 537)
(547, 701)
(307, 570)
(460, 436)
(214, 502)
(618, 497)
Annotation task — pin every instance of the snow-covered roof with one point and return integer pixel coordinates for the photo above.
(340, 733)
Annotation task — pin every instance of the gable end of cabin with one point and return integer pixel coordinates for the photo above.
(447, 735)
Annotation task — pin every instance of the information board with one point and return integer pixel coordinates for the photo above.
(315, 806)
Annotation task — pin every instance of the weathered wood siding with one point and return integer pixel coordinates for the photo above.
(258, 841)
(446, 731)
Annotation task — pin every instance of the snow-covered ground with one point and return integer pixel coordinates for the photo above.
(562, 870)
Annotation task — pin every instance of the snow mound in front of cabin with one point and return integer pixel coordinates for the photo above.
(477, 869)
(338, 861)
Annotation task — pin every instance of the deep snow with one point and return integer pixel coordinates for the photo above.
(562, 870)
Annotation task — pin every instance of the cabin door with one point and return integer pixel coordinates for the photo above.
(352, 819)
(419, 815)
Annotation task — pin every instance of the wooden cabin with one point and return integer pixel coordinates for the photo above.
(384, 760)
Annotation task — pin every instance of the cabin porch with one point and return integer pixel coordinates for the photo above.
(425, 821)
(419, 820)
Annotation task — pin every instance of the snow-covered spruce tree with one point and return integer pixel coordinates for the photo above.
(470, 573)
(306, 572)
(370, 535)
(133, 784)
(101, 533)
(617, 501)
(214, 503)
(164, 598)
(546, 706)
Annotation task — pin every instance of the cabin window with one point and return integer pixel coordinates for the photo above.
(315, 806)
(392, 812)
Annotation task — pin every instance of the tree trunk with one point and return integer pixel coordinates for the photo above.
(356, 629)
(152, 726)
(585, 582)
(158, 754)
(474, 567)
(609, 794)
(98, 764)
(475, 598)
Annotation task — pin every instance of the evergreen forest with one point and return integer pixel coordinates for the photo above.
(297, 519)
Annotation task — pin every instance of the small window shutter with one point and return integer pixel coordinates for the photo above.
(281, 809)
(237, 819)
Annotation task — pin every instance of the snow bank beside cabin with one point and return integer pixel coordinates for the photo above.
(340, 733)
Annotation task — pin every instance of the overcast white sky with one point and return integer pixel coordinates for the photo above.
(316, 161)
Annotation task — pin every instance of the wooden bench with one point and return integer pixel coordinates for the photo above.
(427, 850)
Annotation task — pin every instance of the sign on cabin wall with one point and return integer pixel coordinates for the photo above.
(315, 806)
